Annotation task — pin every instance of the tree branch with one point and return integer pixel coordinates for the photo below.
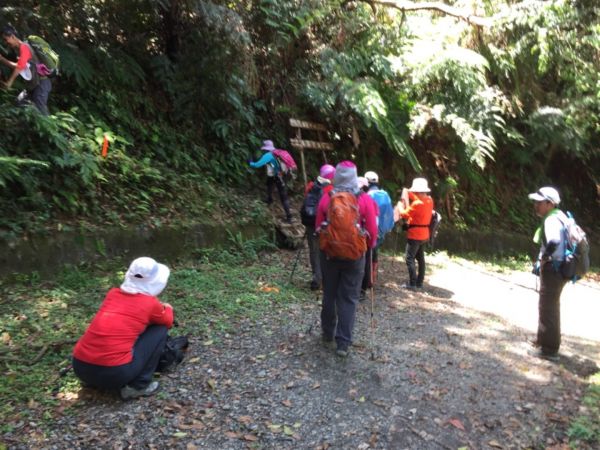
(436, 6)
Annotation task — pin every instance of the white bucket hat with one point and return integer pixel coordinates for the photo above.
(145, 276)
(419, 185)
(546, 193)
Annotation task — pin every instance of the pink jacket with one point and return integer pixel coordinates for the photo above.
(366, 209)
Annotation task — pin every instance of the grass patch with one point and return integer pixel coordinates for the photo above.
(584, 431)
(41, 321)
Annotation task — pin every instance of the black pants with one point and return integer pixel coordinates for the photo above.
(551, 286)
(415, 250)
(137, 373)
(278, 182)
(370, 275)
(314, 254)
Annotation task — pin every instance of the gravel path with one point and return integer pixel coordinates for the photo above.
(444, 368)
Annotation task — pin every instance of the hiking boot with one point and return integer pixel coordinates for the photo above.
(314, 286)
(539, 353)
(363, 296)
(128, 392)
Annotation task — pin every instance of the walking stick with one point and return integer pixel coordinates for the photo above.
(298, 253)
(372, 295)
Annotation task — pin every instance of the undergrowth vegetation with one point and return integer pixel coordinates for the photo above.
(185, 90)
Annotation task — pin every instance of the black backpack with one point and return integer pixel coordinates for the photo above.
(173, 353)
(308, 212)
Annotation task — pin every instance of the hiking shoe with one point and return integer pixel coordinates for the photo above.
(342, 352)
(538, 353)
(327, 341)
(412, 287)
(128, 392)
(363, 296)
(314, 286)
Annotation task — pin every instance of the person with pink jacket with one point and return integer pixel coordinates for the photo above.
(342, 278)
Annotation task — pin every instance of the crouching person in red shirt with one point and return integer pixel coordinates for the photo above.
(121, 347)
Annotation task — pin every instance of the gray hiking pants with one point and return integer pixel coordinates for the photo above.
(341, 292)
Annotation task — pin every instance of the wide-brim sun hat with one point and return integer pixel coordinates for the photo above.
(145, 276)
(268, 146)
(545, 193)
(420, 185)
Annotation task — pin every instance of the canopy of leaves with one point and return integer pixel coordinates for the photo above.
(185, 90)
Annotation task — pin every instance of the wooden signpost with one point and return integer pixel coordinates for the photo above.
(300, 144)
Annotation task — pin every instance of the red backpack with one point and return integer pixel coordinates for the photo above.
(342, 237)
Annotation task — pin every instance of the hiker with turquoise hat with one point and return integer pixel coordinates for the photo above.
(274, 177)
(549, 236)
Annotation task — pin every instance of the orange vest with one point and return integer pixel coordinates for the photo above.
(418, 213)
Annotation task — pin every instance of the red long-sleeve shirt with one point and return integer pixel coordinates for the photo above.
(122, 317)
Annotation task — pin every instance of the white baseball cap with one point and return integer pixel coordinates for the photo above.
(372, 177)
(545, 193)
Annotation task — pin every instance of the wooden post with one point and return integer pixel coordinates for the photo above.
(322, 151)
(299, 136)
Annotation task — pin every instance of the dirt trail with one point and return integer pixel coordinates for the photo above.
(444, 368)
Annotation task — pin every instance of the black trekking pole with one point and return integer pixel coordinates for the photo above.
(298, 253)
(372, 294)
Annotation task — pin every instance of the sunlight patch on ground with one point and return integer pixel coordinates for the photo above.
(513, 297)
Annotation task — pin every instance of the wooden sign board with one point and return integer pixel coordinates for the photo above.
(302, 143)
(295, 123)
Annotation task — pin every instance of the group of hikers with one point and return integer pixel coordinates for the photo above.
(346, 219)
(123, 345)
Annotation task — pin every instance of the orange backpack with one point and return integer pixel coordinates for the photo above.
(342, 237)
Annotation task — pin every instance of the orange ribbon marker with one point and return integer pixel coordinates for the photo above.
(105, 147)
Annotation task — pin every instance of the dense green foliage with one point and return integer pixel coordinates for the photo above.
(184, 90)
